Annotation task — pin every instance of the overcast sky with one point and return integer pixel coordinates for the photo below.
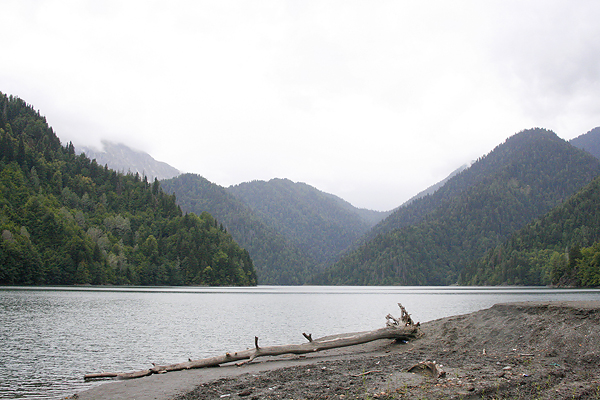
(372, 101)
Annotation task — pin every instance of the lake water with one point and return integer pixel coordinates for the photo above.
(51, 337)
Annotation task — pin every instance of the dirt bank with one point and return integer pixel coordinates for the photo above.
(547, 350)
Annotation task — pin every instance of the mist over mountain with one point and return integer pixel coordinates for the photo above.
(277, 220)
(523, 214)
(283, 252)
(430, 240)
(123, 159)
(292, 238)
(65, 219)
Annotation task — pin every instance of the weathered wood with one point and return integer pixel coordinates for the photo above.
(405, 331)
(429, 367)
(101, 375)
(400, 333)
(404, 319)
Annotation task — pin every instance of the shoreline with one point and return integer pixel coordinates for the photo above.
(511, 350)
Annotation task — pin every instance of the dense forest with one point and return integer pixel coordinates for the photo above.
(291, 230)
(319, 223)
(66, 220)
(429, 241)
(276, 259)
(561, 248)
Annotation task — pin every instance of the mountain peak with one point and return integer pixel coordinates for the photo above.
(124, 159)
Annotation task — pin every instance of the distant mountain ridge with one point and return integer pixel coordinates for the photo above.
(412, 212)
(589, 142)
(274, 221)
(407, 213)
(429, 241)
(291, 239)
(319, 223)
(277, 260)
(124, 159)
(435, 187)
(282, 254)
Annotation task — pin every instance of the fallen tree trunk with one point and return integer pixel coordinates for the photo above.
(394, 330)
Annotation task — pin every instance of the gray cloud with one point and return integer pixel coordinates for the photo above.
(370, 101)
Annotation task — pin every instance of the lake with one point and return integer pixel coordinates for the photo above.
(51, 336)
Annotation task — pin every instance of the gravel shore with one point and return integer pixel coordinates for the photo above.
(542, 350)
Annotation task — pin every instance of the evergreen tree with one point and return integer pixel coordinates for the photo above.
(66, 220)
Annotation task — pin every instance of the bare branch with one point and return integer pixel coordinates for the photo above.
(308, 337)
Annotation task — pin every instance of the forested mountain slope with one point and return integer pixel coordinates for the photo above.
(435, 187)
(370, 217)
(589, 142)
(276, 259)
(480, 170)
(409, 213)
(560, 248)
(429, 241)
(123, 159)
(320, 224)
(67, 220)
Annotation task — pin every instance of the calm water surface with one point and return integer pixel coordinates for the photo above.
(51, 337)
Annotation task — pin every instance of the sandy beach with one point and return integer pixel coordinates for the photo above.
(543, 350)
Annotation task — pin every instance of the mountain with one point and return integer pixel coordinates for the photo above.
(277, 260)
(67, 220)
(319, 223)
(277, 249)
(279, 256)
(370, 217)
(589, 142)
(549, 250)
(124, 159)
(409, 213)
(430, 240)
(435, 187)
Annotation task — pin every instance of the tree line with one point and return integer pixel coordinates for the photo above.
(277, 260)
(66, 220)
(562, 248)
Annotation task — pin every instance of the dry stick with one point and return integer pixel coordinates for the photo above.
(397, 332)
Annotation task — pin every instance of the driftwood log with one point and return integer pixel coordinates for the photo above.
(399, 329)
